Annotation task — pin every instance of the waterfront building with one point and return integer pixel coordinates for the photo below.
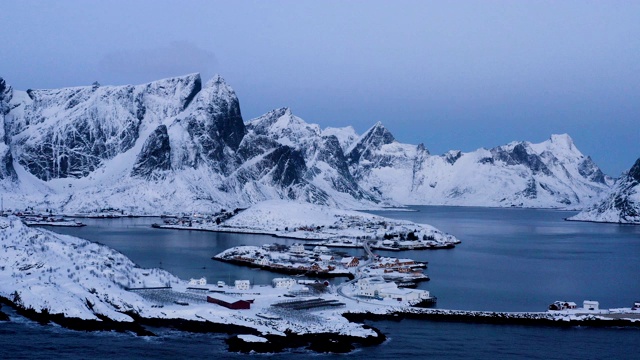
(242, 284)
(283, 283)
(198, 282)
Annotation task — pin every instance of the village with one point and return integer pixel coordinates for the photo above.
(321, 262)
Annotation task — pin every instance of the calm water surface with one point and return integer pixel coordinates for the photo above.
(510, 259)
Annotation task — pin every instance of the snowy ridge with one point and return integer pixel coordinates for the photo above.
(551, 174)
(175, 145)
(621, 205)
(146, 149)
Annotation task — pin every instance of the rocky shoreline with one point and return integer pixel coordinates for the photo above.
(318, 342)
(498, 318)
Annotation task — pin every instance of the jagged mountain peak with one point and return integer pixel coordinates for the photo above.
(370, 142)
(377, 136)
(216, 80)
(286, 128)
(634, 172)
(6, 94)
(562, 140)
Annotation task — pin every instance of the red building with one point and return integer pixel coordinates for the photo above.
(229, 302)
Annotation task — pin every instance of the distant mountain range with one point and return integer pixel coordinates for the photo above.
(176, 145)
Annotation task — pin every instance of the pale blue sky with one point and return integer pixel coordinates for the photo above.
(450, 74)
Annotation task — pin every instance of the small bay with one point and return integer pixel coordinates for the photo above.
(509, 260)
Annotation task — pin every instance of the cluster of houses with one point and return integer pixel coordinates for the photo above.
(378, 288)
(570, 305)
(199, 220)
(389, 264)
(235, 297)
(294, 258)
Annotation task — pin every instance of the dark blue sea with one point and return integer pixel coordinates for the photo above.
(510, 259)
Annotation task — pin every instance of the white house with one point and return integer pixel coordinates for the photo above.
(326, 259)
(590, 305)
(297, 249)
(379, 288)
(242, 284)
(198, 282)
(283, 283)
(264, 261)
(320, 249)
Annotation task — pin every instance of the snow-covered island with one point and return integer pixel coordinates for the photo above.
(332, 226)
(84, 285)
(321, 262)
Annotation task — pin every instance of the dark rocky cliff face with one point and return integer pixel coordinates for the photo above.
(215, 125)
(287, 166)
(6, 159)
(155, 156)
(71, 132)
(634, 173)
(520, 156)
(629, 184)
(591, 171)
(330, 152)
(99, 124)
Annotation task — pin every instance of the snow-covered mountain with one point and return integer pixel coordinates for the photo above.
(553, 173)
(176, 145)
(622, 204)
(168, 146)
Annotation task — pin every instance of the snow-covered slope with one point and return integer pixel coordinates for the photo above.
(622, 204)
(61, 274)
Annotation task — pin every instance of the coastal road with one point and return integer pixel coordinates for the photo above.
(359, 273)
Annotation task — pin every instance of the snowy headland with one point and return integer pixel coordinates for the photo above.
(336, 227)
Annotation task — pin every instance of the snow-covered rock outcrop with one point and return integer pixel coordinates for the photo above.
(622, 205)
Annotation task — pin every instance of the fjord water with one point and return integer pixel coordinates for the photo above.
(510, 260)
